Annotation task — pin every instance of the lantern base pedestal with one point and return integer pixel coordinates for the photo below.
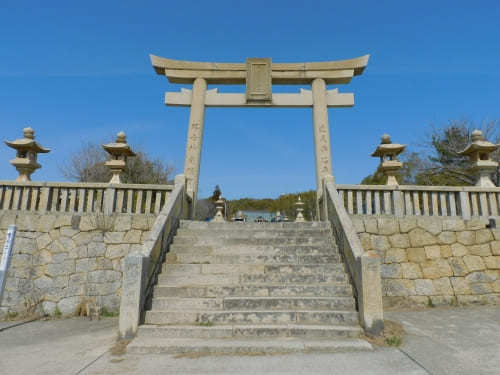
(25, 168)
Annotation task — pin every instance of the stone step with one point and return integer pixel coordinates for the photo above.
(247, 331)
(180, 240)
(239, 225)
(197, 280)
(292, 278)
(193, 258)
(252, 317)
(253, 303)
(340, 289)
(148, 345)
(210, 269)
(242, 249)
(249, 269)
(249, 279)
(288, 303)
(253, 233)
(187, 304)
(229, 288)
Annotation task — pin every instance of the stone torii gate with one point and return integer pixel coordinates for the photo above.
(258, 74)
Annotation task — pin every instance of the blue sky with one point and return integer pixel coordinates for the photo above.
(80, 71)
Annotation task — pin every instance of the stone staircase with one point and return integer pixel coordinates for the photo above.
(251, 288)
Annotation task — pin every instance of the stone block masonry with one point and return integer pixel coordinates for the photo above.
(60, 259)
(433, 260)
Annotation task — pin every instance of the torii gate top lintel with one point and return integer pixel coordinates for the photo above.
(333, 72)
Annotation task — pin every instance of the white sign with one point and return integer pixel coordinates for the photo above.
(7, 249)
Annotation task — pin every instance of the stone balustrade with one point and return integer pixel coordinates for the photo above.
(83, 197)
(363, 268)
(141, 269)
(410, 200)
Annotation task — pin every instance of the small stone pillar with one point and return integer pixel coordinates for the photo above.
(118, 151)
(479, 151)
(239, 216)
(219, 205)
(27, 152)
(300, 209)
(389, 163)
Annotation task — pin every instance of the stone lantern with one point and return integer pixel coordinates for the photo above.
(479, 153)
(300, 209)
(27, 152)
(389, 163)
(219, 205)
(118, 151)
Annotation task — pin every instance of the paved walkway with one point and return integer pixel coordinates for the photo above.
(453, 341)
(439, 341)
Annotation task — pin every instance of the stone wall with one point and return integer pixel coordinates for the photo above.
(434, 261)
(61, 258)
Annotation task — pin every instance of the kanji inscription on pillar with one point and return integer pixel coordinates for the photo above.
(193, 153)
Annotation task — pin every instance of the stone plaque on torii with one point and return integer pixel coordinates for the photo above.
(258, 75)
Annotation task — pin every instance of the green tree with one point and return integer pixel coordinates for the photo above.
(377, 178)
(446, 166)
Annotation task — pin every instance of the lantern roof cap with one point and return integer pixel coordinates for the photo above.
(478, 143)
(387, 147)
(120, 146)
(28, 142)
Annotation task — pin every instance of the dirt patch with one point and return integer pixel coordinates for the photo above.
(392, 335)
(120, 347)
(237, 354)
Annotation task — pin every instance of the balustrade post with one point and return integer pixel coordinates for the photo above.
(397, 197)
(109, 201)
(324, 209)
(44, 199)
(180, 179)
(465, 205)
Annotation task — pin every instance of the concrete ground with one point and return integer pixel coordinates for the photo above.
(438, 341)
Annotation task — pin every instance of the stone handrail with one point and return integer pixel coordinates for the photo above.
(363, 268)
(408, 200)
(140, 270)
(83, 197)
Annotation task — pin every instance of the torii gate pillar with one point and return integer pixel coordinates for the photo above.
(321, 133)
(195, 139)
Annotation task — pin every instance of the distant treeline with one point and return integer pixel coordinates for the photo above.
(284, 203)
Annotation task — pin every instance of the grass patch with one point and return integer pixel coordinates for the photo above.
(430, 303)
(57, 312)
(109, 314)
(206, 324)
(394, 341)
